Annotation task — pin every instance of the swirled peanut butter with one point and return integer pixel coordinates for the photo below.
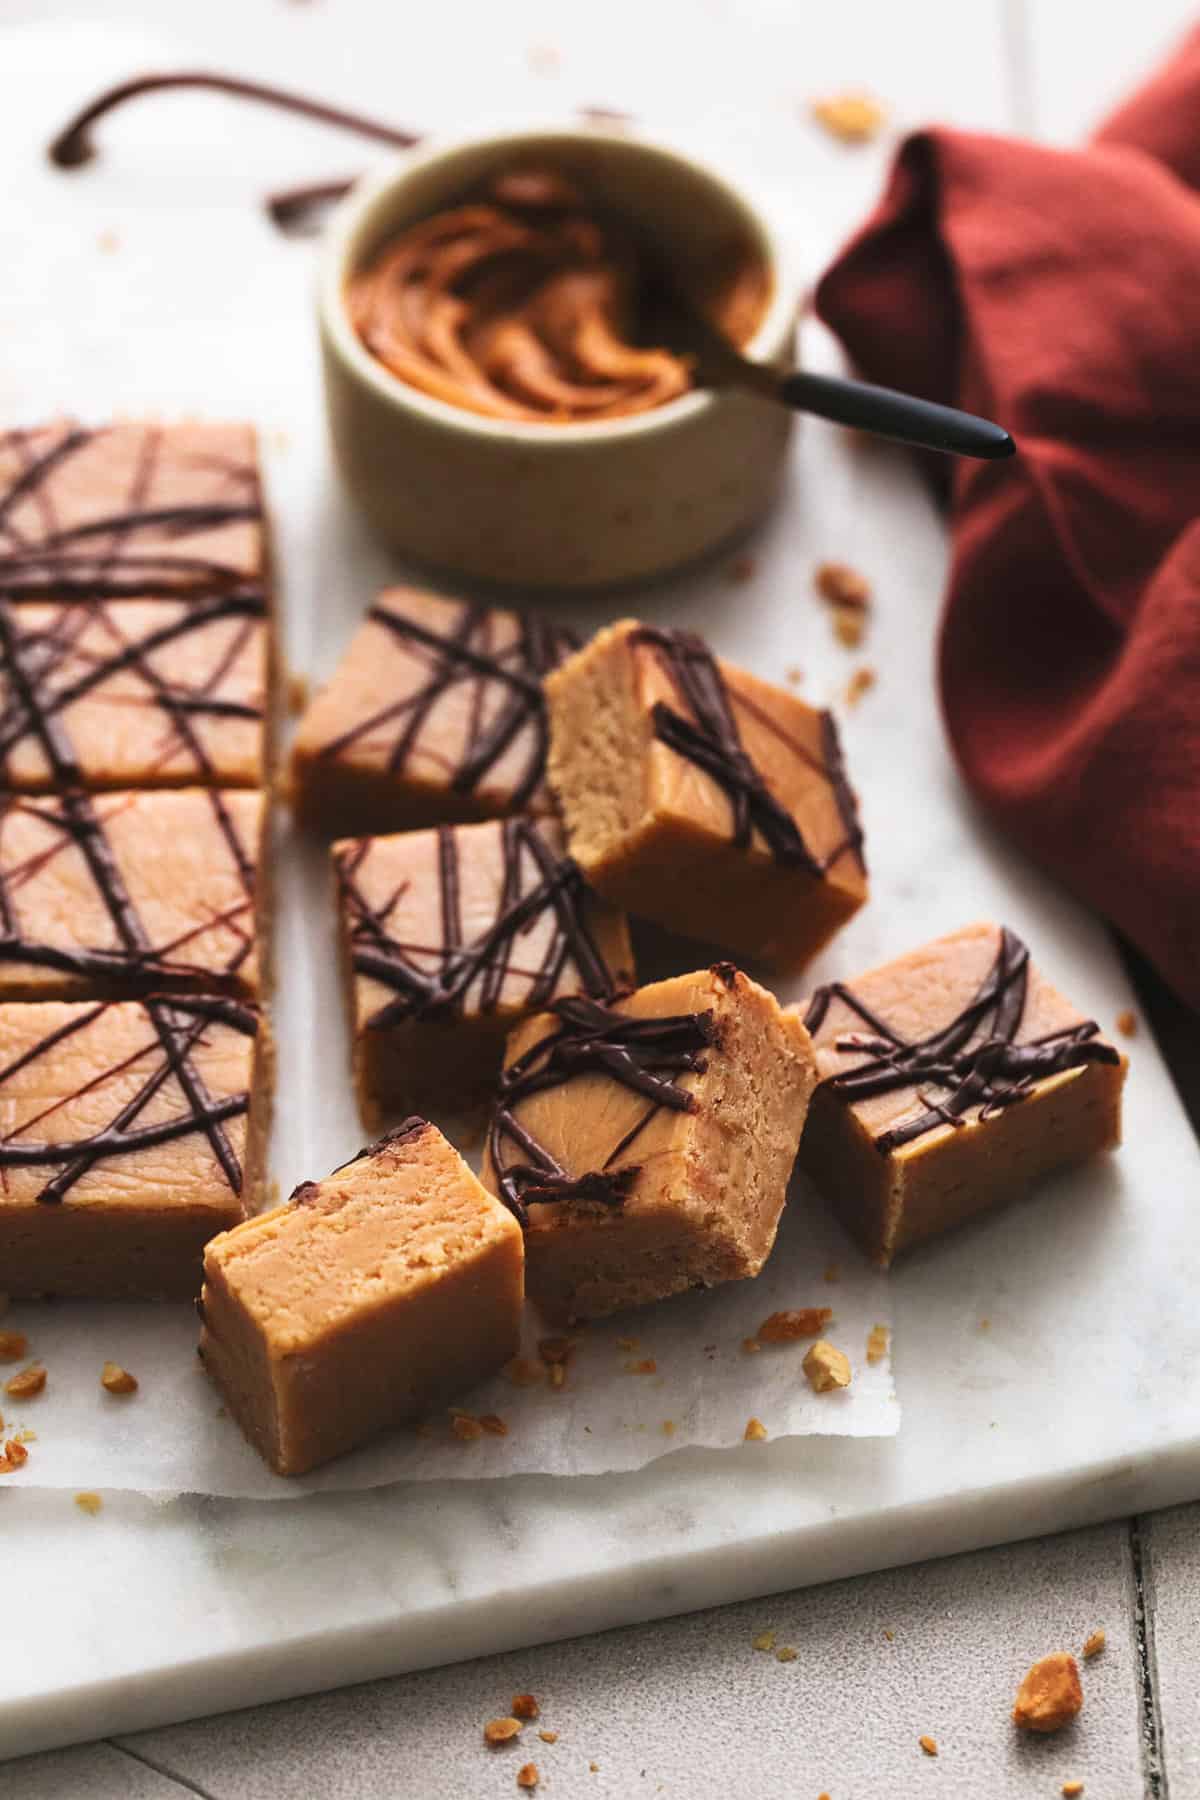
(528, 303)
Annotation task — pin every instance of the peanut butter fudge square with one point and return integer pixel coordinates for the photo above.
(949, 1079)
(121, 693)
(130, 1133)
(450, 936)
(646, 1145)
(109, 895)
(702, 797)
(369, 1299)
(135, 508)
(435, 715)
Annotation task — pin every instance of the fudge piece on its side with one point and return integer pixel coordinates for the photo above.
(130, 509)
(448, 938)
(130, 1133)
(371, 1298)
(702, 797)
(125, 693)
(950, 1078)
(434, 715)
(111, 895)
(646, 1145)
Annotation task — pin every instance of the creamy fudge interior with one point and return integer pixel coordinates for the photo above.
(371, 1298)
(647, 1145)
(435, 714)
(700, 796)
(949, 1079)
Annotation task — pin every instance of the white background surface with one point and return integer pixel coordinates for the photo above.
(1048, 1417)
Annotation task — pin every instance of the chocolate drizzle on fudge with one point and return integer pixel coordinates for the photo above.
(466, 655)
(973, 1060)
(708, 736)
(138, 549)
(176, 1024)
(645, 1055)
(557, 890)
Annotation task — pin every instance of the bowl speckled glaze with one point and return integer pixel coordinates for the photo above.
(554, 505)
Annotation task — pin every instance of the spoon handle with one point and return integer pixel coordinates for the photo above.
(889, 414)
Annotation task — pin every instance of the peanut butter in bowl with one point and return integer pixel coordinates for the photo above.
(529, 302)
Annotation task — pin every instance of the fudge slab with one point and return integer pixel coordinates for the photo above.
(109, 895)
(131, 1132)
(129, 509)
(122, 693)
(435, 715)
(646, 1145)
(448, 938)
(950, 1079)
(368, 1300)
(702, 797)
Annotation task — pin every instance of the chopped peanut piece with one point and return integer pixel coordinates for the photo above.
(751, 1346)
(558, 1375)
(843, 586)
(826, 1367)
(1127, 1023)
(849, 626)
(116, 1380)
(798, 1322)
(548, 1737)
(1094, 1645)
(1071, 1789)
(877, 1343)
(928, 1744)
(860, 683)
(785, 1653)
(1050, 1695)
(524, 1706)
(27, 1383)
(13, 1345)
(493, 1424)
(464, 1426)
(15, 1457)
(499, 1731)
(647, 1366)
(556, 1349)
(627, 1343)
(668, 1427)
(852, 117)
(890, 1636)
(594, 1768)
(527, 1775)
(755, 1432)
(522, 1372)
(765, 1640)
(89, 1503)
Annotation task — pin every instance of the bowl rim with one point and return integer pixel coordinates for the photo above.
(336, 257)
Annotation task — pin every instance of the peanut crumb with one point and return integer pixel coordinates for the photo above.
(627, 1343)
(826, 1367)
(860, 683)
(558, 1375)
(1071, 1789)
(116, 1380)
(647, 1366)
(794, 677)
(849, 626)
(27, 1382)
(556, 1349)
(877, 1343)
(499, 1731)
(13, 1345)
(755, 1432)
(852, 116)
(548, 1737)
(985, 1324)
(928, 1744)
(842, 586)
(890, 1636)
(297, 692)
(797, 1322)
(493, 1424)
(751, 1346)
(1094, 1645)
(89, 1503)
(668, 1427)
(1127, 1023)
(464, 1426)
(1050, 1695)
(594, 1768)
(741, 568)
(765, 1640)
(832, 1273)
(15, 1457)
(785, 1653)
(523, 1372)
(524, 1706)
(527, 1775)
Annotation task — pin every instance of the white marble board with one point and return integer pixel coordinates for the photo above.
(1078, 1401)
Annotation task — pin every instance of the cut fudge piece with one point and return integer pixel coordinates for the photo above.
(646, 1145)
(369, 1299)
(130, 1133)
(702, 797)
(450, 936)
(136, 508)
(435, 714)
(949, 1079)
(110, 895)
(121, 693)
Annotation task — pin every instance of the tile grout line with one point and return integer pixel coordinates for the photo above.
(148, 1762)
(1150, 1722)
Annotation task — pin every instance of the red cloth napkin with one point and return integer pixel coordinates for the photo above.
(1058, 291)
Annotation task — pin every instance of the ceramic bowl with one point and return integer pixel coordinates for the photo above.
(554, 505)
